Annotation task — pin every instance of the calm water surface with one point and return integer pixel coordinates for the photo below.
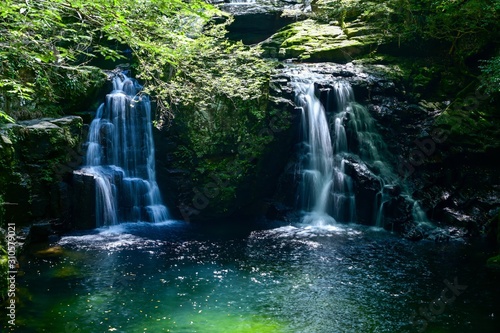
(176, 277)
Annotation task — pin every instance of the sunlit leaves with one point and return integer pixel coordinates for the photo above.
(491, 75)
(49, 38)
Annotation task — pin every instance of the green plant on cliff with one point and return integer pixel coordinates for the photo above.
(47, 46)
(43, 45)
(491, 76)
(219, 93)
(464, 27)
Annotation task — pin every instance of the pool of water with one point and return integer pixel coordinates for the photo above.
(177, 277)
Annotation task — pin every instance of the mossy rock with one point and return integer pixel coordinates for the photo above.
(476, 129)
(493, 262)
(316, 42)
(34, 156)
(45, 138)
(51, 252)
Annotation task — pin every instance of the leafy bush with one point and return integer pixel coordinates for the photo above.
(465, 26)
(491, 75)
(47, 46)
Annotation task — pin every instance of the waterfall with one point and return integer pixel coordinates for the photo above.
(325, 188)
(334, 134)
(121, 157)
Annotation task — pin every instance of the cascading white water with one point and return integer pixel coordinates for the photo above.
(325, 189)
(121, 157)
(366, 145)
(331, 139)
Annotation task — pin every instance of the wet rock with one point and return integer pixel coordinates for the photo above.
(256, 21)
(397, 213)
(83, 196)
(366, 188)
(51, 252)
(36, 157)
(39, 232)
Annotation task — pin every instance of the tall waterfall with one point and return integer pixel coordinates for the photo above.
(325, 189)
(120, 156)
(333, 137)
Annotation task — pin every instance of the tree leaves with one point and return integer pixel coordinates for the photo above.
(47, 38)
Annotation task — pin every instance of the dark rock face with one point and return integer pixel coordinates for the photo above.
(255, 21)
(83, 200)
(248, 175)
(461, 190)
(366, 188)
(37, 158)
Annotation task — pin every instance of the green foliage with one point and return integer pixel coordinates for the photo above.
(219, 94)
(3, 255)
(42, 44)
(46, 46)
(5, 118)
(491, 76)
(348, 10)
(465, 26)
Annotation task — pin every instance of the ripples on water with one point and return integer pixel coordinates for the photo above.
(175, 277)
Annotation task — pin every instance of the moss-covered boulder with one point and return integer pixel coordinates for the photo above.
(36, 158)
(312, 41)
(221, 160)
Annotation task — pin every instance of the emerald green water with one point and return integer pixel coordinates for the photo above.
(176, 277)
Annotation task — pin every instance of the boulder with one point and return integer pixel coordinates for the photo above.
(36, 158)
(83, 200)
(255, 21)
(311, 41)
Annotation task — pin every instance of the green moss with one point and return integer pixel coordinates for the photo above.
(493, 262)
(475, 128)
(321, 42)
(221, 145)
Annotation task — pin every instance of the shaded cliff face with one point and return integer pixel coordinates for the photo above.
(256, 20)
(247, 143)
(36, 161)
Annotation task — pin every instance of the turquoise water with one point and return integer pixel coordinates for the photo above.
(176, 277)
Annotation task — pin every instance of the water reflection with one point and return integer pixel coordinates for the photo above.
(174, 277)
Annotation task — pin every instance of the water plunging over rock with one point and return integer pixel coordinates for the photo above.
(324, 188)
(120, 158)
(342, 168)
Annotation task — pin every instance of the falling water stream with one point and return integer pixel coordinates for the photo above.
(120, 156)
(332, 136)
(322, 170)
